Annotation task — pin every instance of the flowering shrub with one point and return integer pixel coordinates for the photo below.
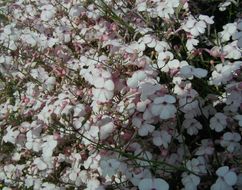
(134, 94)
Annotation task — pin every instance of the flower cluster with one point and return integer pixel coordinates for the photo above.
(135, 94)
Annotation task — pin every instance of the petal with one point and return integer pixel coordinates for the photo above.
(109, 85)
(73, 176)
(145, 184)
(156, 109)
(222, 171)
(200, 73)
(170, 99)
(160, 184)
(99, 82)
(230, 178)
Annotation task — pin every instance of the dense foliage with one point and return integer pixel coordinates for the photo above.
(120, 94)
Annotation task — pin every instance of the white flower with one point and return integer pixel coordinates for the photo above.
(41, 165)
(136, 48)
(218, 122)
(148, 88)
(48, 12)
(226, 179)
(49, 83)
(207, 148)
(166, 9)
(191, 42)
(192, 126)
(239, 118)
(149, 41)
(223, 6)
(231, 141)
(109, 167)
(194, 27)
(161, 46)
(30, 38)
(137, 174)
(136, 78)
(228, 30)
(94, 184)
(49, 186)
(207, 19)
(190, 182)
(106, 127)
(161, 138)
(224, 72)
(146, 155)
(144, 126)
(231, 51)
(103, 90)
(153, 184)
(11, 135)
(49, 146)
(163, 107)
(188, 71)
(141, 6)
(238, 34)
(197, 165)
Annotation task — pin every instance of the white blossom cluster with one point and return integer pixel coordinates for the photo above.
(136, 94)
